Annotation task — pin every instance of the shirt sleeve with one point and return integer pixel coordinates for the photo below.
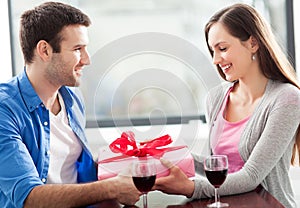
(18, 174)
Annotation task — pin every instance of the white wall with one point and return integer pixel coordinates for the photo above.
(6, 68)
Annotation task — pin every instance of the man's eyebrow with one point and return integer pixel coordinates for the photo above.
(79, 45)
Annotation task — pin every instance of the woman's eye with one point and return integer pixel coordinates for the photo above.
(223, 49)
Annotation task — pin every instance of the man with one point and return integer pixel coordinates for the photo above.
(44, 157)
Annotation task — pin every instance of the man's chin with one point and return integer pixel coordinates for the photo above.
(74, 84)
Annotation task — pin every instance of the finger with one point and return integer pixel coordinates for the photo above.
(166, 163)
(160, 182)
(156, 186)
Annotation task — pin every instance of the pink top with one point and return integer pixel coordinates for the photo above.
(226, 137)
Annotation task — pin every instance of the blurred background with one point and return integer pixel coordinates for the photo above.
(150, 64)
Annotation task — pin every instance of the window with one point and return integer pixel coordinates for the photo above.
(297, 35)
(149, 60)
(6, 69)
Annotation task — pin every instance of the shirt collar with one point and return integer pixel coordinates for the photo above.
(68, 99)
(29, 95)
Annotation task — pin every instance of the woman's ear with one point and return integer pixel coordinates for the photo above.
(43, 50)
(254, 44)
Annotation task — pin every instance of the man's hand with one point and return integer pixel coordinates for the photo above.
(125, 190)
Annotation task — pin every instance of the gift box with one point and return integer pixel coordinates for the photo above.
(118, 156)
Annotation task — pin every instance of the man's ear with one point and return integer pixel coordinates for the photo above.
(43, 50)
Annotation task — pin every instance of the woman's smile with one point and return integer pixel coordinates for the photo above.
(225, 68)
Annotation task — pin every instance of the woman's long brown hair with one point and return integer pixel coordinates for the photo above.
(243, 21)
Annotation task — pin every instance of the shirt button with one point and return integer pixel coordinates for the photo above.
(43, 180)
(48, 152)
(45, 123)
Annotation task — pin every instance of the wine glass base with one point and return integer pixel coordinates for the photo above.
(218, 204)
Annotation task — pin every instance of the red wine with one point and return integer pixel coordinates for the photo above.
(217, 177)
(145, 183)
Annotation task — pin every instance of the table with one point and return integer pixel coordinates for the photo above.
(257, 198)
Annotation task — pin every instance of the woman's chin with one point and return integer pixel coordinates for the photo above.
(230, 78)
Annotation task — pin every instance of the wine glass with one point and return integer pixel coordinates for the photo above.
(216, 167)
(144, 175)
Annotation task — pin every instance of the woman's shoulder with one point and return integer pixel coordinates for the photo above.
(285, 92)
(282, 87)
(220, 89)
(216, 95)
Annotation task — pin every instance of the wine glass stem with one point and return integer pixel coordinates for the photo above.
(145, 202)
(217, 197)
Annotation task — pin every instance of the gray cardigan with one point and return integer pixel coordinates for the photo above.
(266, 144)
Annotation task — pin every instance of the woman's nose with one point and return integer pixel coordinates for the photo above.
(216, 58)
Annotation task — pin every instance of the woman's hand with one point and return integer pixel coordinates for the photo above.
(175, 183)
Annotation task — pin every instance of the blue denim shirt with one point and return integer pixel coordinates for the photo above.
(25, 137)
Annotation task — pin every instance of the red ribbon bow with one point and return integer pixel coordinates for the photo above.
(126, 145)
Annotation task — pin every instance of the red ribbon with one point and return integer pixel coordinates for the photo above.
(126, 145)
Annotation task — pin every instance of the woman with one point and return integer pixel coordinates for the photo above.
(253, 117)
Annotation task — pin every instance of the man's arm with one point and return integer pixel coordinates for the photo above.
(75, 195)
